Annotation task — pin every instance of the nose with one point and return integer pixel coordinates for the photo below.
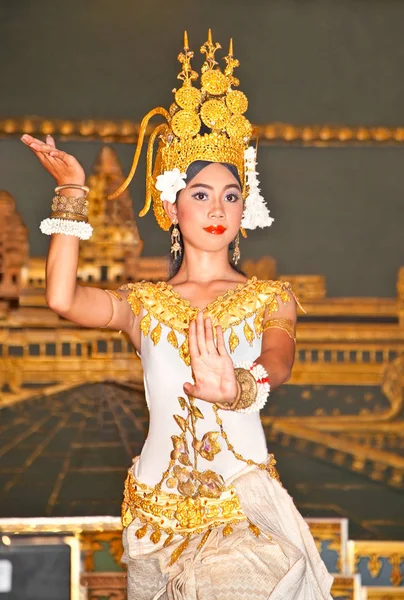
(216, 212)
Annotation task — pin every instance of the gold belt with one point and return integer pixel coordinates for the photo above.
(173, 514)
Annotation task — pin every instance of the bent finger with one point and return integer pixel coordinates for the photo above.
(189, 388)
(50, 141)
(42, 147)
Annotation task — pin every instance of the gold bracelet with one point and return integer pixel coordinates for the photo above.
(72, 186)
(69, 216)
(70, 204)
(232, 406)
(247, 390)
(249, 387)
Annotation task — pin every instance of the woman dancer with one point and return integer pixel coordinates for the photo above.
(204, 513)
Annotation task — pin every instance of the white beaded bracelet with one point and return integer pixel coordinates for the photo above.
(79, 229)
(263, 388)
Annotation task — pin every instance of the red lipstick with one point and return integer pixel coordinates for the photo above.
(215, 229)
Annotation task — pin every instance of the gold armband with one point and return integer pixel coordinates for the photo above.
(286, 324)
(116, 295)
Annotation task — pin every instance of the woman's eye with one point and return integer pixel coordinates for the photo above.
(232, 197)
(200, 195)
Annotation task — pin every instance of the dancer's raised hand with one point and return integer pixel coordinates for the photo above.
(211, 364)
(64, 167)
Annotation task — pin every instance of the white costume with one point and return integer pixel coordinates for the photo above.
(224, 527)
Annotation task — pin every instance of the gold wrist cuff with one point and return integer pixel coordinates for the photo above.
(247, 391)
(70, 216)
(249, 387)
(70, 204)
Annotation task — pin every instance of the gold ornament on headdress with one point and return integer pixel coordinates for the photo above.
(215, 105)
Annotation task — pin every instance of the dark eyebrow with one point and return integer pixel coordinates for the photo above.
(209, 187)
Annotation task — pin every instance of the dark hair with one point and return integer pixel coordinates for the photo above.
(193, 170)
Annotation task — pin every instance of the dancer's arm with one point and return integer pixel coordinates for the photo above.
(278, 348)
(85, 305)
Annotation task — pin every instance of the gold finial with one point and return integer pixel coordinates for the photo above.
(187, 75)
(231, 64)
(231, 47)
(209, 48)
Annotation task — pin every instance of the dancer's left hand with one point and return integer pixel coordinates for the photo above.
(211, 364)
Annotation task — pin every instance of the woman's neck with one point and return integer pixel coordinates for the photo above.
(199, 267)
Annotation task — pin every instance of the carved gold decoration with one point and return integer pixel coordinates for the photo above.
(374, 565)
(215, 114)
(91, 542)
(384, 593)
(347, 587)
(335, 533)
(185, 124)
(374, 551)
(188, 97)
(103, 585)
(237, 102)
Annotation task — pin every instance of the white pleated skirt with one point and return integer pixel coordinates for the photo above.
(282, 563)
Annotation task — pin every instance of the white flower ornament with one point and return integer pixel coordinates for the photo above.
(170, 183)
(256, 213)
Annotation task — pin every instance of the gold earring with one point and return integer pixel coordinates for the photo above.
(236, 253)
(175, 241)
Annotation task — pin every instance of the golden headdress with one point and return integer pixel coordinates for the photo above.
(218, 107)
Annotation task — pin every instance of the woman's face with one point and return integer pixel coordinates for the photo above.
(210, 208)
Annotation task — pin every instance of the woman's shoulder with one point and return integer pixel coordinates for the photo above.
(275, 289)
(140, 286)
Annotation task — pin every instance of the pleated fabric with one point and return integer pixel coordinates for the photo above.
(282, 563)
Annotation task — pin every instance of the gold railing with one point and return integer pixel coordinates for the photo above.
(125, 131)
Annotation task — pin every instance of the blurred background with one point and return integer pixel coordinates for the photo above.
(326, 91)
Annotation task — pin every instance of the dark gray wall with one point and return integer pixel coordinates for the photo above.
(339, 211)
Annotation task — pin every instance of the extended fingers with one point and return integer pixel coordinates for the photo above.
(210, 343)
(29, 139)
(39, 145)
(50, 141)
(200, 333)
(221, 347)
(192, 341)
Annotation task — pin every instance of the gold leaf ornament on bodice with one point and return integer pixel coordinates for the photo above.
(162, 303)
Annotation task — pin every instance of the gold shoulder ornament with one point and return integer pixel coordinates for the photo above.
(214, 107)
